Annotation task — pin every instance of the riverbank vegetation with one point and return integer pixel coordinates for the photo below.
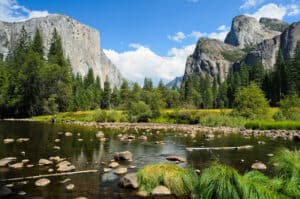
(221, 182)
(35, 83)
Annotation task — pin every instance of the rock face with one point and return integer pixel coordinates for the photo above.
(267, 50)
(175, 83)
(247, 31)
(213, 58)
(81, 44)
(248, 41)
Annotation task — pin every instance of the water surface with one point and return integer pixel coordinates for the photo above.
(89, 154)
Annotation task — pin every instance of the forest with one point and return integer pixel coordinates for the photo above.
(35, 83)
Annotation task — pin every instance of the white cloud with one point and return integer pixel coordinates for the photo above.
(223, 28)
(250, 3)
(218, 35)
(270, 10)
(178, 37)
(197, 34)
(293, 10)
(142, 61)
(11, 11)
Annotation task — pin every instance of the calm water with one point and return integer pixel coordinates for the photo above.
(89, 153)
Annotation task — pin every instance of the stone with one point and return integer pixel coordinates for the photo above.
(161, 191)
(106, 170)
(65, 166)
(81, 197)
(129, 181)
(57, 140)
(81, 44)
(44, 162)
(56, 159)
(25, 161)
(18, 165)
(50, 170)
(68, 134)
(99, 134)
(143, 138)
(56, 147)
(125, 155)
(176, 158)
(21, 193)
(4, 191)
(8, 140)
(132, 167)
(142, 194)
(42, 182)
(5, 161)
(70, 187)
(259, 166)
(29, 165)
(21, 140)
(80, 140)
(120, 171)
(113, 165)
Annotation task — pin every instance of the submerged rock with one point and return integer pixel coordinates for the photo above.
(106, 170)
(21, 140)
(44, 162)
(5, 161)
(120, 171)
(8, 140)
(42, 182)
(160, 191)
(70, 187)
(65, 166)
(99, 134)
(113, 165)
(18, 165)
(129, 181)
(142, 194)
(125, 155)
(68, 134)
(4, 191)
(176, 158)
(259, 166)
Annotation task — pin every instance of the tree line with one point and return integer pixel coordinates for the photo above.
(35, 83)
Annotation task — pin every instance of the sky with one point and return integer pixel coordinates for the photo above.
(152, 38)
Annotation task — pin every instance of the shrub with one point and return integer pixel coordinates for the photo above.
(290, 107)
(180, 181)
(250, 102)
(278, 116)
(105, 116)
(139, 112)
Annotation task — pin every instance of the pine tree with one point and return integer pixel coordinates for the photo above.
(106, 98)
(115, 98)
(257, 73)
(279, 78)
(89, 79)
(37, 44)
(148, 85)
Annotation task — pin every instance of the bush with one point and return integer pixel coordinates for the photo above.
(184, 117)
(180, 181)
(139, 112)
(250, 102)
(105, 116)
(290, 107)
(278, 116)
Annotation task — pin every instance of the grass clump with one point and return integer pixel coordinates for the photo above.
(180, 181)
(222, 182)
(287, 167)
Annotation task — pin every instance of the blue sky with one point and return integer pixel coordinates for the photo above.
(152, 37)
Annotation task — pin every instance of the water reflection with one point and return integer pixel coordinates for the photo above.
(90, 152)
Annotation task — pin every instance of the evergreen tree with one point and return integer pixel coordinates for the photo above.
(37, 44)
(89, 79)
(106, 98)
(115, 98)
(148, 85)
(257, 73)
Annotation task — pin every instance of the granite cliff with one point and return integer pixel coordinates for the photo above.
(81, 44)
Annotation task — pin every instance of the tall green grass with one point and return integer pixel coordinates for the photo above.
(179, 180)
(268, 125)
(287, 167)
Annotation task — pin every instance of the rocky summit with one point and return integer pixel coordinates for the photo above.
(248, 41)
(81, 44)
